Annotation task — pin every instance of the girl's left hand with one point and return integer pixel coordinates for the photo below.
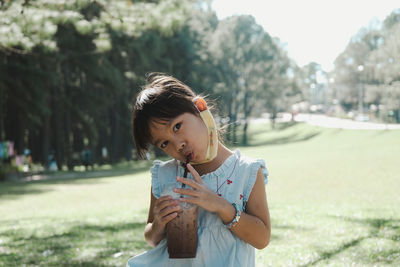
(200, 194)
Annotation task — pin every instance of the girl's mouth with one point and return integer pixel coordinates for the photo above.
(189, 156)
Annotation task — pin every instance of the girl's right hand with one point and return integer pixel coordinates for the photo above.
(165, 210)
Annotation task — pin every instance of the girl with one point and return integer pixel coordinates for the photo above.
(227, 187)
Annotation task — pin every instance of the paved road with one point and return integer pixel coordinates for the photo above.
(331, 122)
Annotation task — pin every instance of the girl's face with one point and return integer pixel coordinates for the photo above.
(183, 136)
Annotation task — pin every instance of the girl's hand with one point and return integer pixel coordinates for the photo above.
(200, 194)
(164, 211)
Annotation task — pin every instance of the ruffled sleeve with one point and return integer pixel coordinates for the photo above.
(264, 170)
(254, 167)
(155, 182)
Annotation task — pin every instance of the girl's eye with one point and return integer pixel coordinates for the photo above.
(164, 144)
(177, 126)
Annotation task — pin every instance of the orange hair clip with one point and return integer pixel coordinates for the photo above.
(201, 104)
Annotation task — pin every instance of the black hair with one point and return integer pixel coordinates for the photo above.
(162, 98)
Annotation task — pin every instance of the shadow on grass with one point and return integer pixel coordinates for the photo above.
(282, 228)
(375, 225)
(15, 189)
(80, 245)
(284, 125)
(278, 135)
(291, 138)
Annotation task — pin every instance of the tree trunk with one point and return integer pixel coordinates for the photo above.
(57, 122)
(273, 118)
(230, 116)
(247, 111)
(234, 130)
(19, 144)
(115, 135)
(46, 141)
(244, 138)
(67, 139)
(2, 112)
(397, 115)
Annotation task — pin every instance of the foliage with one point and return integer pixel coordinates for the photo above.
(249, 68)
(78, 65)
(368, 69)
(70, 69)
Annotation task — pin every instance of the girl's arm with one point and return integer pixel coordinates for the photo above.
(161, 211)
(254, 226)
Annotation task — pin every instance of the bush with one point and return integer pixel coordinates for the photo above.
(5, 170)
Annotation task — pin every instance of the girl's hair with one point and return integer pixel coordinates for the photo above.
(162, 98)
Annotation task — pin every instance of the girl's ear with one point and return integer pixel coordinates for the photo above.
(200, 103)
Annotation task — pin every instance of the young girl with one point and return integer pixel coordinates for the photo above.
(227, 187)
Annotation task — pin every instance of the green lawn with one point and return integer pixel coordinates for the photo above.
(333, 196)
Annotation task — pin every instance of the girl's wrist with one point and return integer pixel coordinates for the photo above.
(154, 234)
(226, 212)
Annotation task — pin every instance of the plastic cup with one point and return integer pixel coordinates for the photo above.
(182, 230)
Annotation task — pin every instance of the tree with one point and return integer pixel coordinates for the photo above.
(367, 71)
(70, 70)
(246, 62)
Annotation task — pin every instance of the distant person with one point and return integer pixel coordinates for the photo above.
(104, 154)
(27, 160)
(52, 162)
(227, 187)
(87, 158)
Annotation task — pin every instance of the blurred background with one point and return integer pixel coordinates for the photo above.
(313, 87)
(71, 69)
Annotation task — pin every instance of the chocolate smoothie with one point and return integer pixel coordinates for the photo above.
(182, 233)
(182, 230)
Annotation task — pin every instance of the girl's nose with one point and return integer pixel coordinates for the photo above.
(181, 145)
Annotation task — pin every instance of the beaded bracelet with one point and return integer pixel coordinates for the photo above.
(236, 218)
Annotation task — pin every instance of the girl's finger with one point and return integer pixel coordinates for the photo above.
(191, 200)
(169, 210)
(164, 198)
(188, 182)
(168, 218)
(163, 204)
(188, 192)
(195, 174)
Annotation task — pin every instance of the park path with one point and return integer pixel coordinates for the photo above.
(332, 122)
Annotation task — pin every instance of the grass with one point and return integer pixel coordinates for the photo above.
(333, 198)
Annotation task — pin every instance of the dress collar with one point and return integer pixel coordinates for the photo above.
(221, 170)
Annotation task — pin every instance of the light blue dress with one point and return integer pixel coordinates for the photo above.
(217, 245)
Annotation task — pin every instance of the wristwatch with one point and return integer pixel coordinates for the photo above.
(236, 218)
